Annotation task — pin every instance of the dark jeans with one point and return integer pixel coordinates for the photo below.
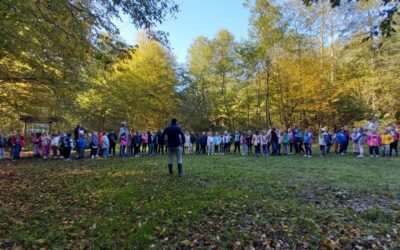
(122, 149)
(112, 149)
(342, 148)
(264, 149)
(161, 148)
(237, 147)
(136, 149)
(274, 147)
(249, 149)
(297, 147)
(216, 149)
(322, 148)
(308, 149)
(203, 148)
(144, 148)
(93, 151)
(373, 149)
(198, 149)
(67, 153)
(394, 146)
(227, 147)
(258, 149)
(291, 147)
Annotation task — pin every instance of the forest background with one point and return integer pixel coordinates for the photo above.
(301, 65)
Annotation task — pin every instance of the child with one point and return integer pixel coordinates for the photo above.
(297, 141)
(387, 139)
(123, 142)
(328, 141)
(354, 141)
(112, 138)
(374, 141)
(286, 143)
(274, 141)
(82, 146)
(137, 140)
(68, 145)
(308, 143)
(322, 142)
(243, 142)
(197, 141)
(280, 141)
(3, 143)
(187, 143)
(105, 145)
(222, 144)
(257, 143)
(210, 143)
(37, 144)
(341, 141)
(264, 142)
(150, 143)
(217, 143)
(144, 142)
(46, 142)
(55, 141)
(249, 140)
(94, 145)
(360, 142)
(17, 143)
(203, 143)
(227, 142)
(394, 145)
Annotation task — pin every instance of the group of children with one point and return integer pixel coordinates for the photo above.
(271, 142)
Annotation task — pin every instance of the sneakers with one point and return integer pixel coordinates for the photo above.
(360, 156)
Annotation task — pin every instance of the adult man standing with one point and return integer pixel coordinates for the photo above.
(175, 137)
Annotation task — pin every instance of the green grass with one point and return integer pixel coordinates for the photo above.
(223, 201)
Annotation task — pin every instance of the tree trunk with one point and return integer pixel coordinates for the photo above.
(267, 94)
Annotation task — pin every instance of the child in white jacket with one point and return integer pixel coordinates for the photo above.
(210, 143)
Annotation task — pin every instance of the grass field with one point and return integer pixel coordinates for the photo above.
(223, 202)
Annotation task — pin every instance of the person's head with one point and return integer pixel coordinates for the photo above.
(123, 124)
(322, 130)
(216, 133)
(236, 131)
(203, 133)
(354, 129)
(174, 121)
(257, 132)
(197, 134)
(386, 131)
(68, 135)
(79, 125)
(249, 132)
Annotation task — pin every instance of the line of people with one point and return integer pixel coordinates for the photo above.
(271, 142)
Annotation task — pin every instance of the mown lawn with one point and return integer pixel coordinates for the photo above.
(223, 202)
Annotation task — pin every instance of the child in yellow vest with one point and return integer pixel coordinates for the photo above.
(387, 139)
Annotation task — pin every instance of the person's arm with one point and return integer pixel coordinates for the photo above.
(182, 134)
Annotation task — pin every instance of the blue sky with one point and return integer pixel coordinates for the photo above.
(197, 18)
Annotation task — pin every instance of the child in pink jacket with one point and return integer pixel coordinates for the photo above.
(374, 142)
